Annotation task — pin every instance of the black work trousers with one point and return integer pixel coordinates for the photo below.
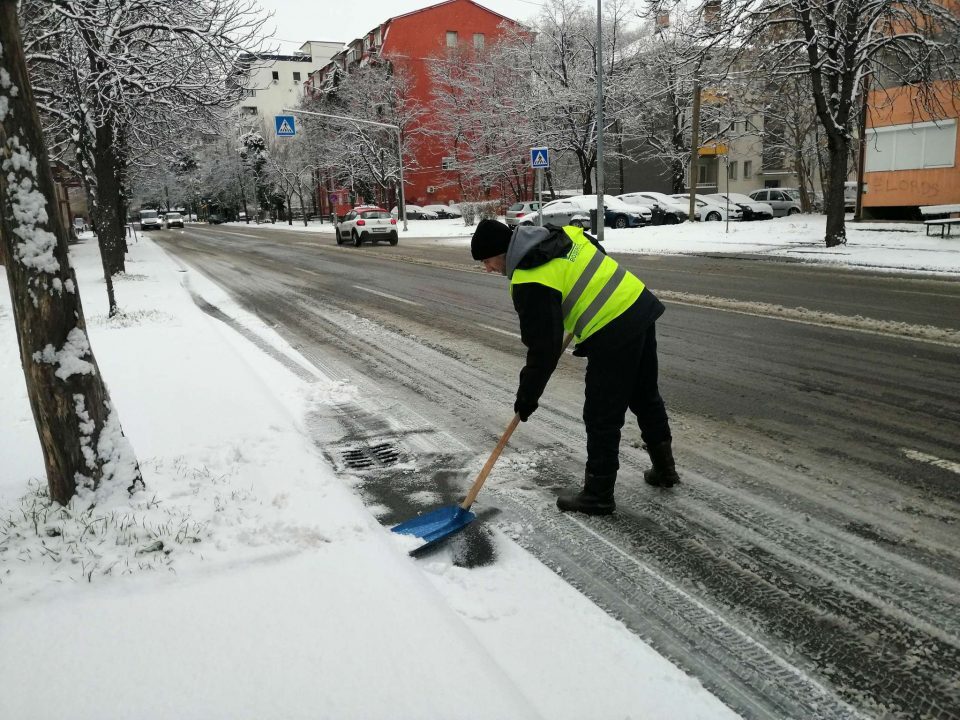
(621, 377)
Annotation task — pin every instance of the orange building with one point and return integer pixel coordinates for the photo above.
(912, 155)
(412, 39)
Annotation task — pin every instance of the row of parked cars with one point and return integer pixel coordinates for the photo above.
(430, 212)
(645, 208)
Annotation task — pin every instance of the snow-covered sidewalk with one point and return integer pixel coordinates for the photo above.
(248, 581)
(875, 246)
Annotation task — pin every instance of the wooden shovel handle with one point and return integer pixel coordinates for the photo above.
(492, 460)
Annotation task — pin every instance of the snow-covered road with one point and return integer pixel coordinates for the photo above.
(805, 542)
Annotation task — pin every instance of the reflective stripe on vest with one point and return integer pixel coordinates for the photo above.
(593, 287)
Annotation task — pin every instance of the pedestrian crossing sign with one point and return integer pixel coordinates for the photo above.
(285, 125)
(539, 158)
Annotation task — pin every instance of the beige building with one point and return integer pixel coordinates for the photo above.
(274, 82)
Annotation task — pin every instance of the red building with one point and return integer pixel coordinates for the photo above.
(412, 39)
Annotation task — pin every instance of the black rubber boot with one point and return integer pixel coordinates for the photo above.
(664, 471)
(596, 498)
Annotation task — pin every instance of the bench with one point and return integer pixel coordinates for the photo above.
(945, 223)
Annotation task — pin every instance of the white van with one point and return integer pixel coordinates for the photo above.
(150, 220)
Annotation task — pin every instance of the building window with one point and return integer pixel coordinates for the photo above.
(451, 38)
(448, 163)
(912, 147)
(747, 169)
(732, 170)
(296, 77)
(249, 92)
(702, 175)
(248, 110)
(276, 75)
(478, 40)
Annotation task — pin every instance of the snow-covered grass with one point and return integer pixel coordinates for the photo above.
(871, 245)
(247, 580)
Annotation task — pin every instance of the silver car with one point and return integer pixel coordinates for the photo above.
(518, 211)
(558, 212)
(783, 203)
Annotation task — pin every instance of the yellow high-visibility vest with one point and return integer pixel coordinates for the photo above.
(594, 288)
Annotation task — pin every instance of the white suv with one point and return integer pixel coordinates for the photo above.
(359, 226)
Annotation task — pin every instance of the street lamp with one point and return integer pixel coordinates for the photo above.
(402, 203)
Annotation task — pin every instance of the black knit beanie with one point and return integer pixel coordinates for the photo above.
(490, 239)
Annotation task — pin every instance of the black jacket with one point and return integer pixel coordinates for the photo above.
(541, 316)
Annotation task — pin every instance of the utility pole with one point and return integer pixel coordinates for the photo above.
(862, 153)
(600, 190)
(694, 148)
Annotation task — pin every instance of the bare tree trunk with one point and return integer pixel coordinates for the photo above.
(839, 149)
(107, 208)
(79, 431)
(800, 168)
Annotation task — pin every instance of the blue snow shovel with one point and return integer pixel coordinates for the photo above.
(443, 522)
(434, 526)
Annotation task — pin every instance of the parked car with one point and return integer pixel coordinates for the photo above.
(752, 210)
(516, 212)
(576, 211)
(150, 220)
(173, 219)
(669, 211)
(214, 218)
(850, 196)
(416, 212)
(367, 225)
(444, 212)
(709, 209)
(782, 202)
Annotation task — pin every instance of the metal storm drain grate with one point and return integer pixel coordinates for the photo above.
(365, 458)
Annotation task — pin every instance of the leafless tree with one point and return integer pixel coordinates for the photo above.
(559, 99)
(838, 45)
(477, 112)
(365, 154)
(111, 74)
(80, 435)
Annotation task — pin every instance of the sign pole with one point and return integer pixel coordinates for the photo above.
(540, 197)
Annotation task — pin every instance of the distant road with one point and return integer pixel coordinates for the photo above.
(809, 564)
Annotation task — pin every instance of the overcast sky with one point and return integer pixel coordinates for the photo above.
(296, 21)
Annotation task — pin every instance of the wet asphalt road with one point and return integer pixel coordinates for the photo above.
(807, 567)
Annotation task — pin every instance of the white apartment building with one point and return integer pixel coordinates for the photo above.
(273, 82)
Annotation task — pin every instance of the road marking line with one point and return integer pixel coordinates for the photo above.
(498, 330)
(238, 234)
(308, 244)
(312, 272)
(931, 460)
(387, 295)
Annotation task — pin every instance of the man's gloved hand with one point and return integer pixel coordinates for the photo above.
(524, 409)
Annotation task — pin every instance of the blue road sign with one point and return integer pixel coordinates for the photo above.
(286, 127)
(539, 158)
